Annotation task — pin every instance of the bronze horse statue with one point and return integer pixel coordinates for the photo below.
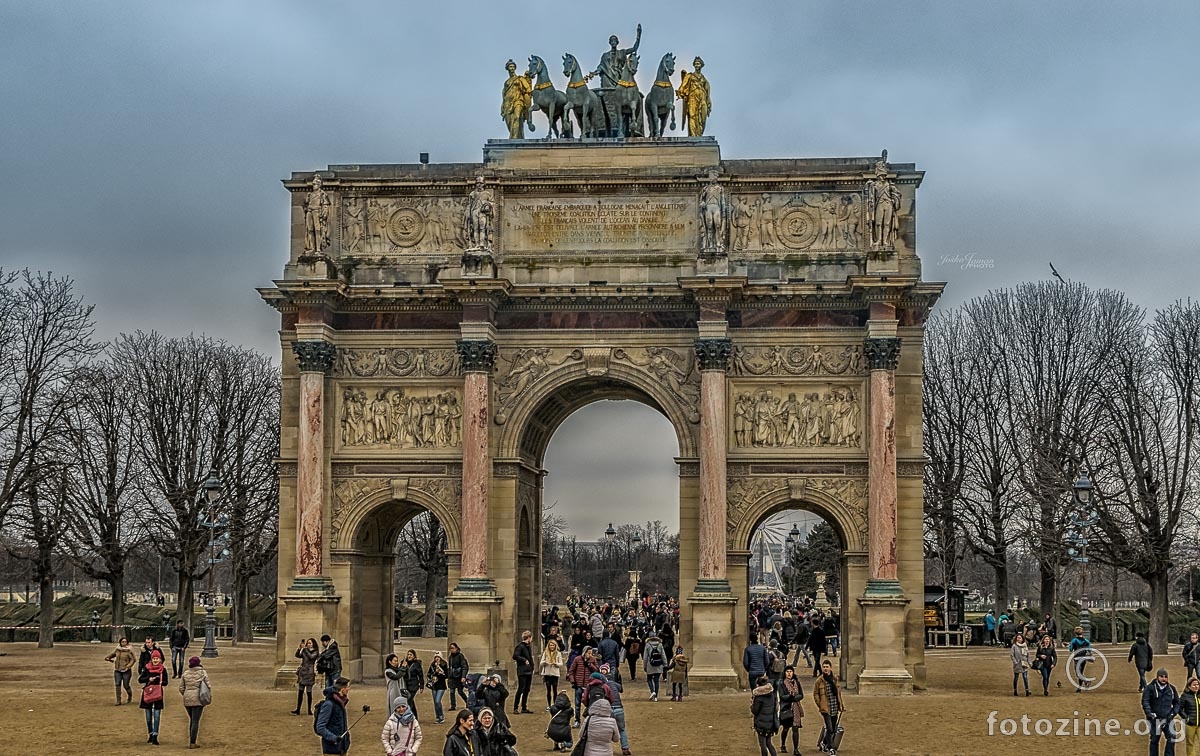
(581, 101)
(627, 100)
(660, 100)
(548, 100)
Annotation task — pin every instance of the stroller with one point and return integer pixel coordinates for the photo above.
(470, 687)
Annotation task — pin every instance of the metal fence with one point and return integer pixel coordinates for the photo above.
(414, 631)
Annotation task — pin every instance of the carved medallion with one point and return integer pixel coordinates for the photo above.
(406, 227)
(798, 227)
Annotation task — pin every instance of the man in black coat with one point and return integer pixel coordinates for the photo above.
(179, 640)
(523, 656)
(1160, 703)
(330, 661)
(1191, 655)
(816, 644)
(1142, 655)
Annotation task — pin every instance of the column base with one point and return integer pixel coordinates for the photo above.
(884, 588)
(308, 614)
(474, 586)
(712, 638)
(713, 586)
(311, 585)
(884, 609)
(473, 615)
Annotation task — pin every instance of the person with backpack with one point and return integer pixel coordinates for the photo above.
(1160, 703)
(1142, 655)
(329, 663)
(123, 660)
(653, 664)
(765, 710)
(559, 728)
(457, 670)
(1081, 654)
(401, 734)
(197, 693)
(329, 720)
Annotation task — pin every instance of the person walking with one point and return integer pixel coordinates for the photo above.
(148, 648)
(1160, 702)
(463, 738)
(614, 689)
(550, 668)
(435, 677)
(306, 673)
(414, 679)
(1019, 655)
(457, 670)
(765, 709)
(401, 735)
(653, 664)
(791, 711)
(801, 642)
(601, 730)
(633, 652)
(178, 640)
(828, 699)
(1191, 654)
(122, 659)
(523, 656)
(1045, 659)
(816, 644)
(1141, 654)
(331, 722)
(1081, 654)
(154, 679)
(495, 738)
(1189, 712)
(579, 671)
(756, 659)
(989, 624)
(678, 674)
(329, 663)
(197, 693)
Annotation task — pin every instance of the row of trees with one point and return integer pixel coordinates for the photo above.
(104, 448)
(602, 568)
(1027, 388)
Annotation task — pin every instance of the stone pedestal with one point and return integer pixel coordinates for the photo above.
(712, 641)
(475, 617)
(308, 614)
(884, 673)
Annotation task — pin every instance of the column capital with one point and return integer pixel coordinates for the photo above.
(314, 356)
(714, 354)
(476, 356)
(882, 352)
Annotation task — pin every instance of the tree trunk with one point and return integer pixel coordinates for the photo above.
(1001, 602)
(1049, 589)
(243, 627)
(46, 610)
(1159, 617)
(185, 603)
(116, 584)
(428, 629)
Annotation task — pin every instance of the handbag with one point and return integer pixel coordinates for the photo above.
(152, 693)
(205, 693)
(581, 746)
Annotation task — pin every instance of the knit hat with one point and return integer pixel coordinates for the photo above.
(194, 661)
(605, 669)
(597, 676)
(398, 702)
(1162, 672)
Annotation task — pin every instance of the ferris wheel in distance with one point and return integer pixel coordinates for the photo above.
(771, 543)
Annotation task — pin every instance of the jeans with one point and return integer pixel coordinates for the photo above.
(1080, 666)
(1141, 679)
(153, 717)
(437, 704)
(123, 678)
(619, 715)
(194, 713)
(1045, 670)
(177, 660)
(652, 683)
(830, 730)
(578, 703)
(632, 667)
(1162, 728)
(1024, 675)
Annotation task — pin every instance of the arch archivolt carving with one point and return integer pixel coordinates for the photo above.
(666, 376)
(841, 500)
(354, 500)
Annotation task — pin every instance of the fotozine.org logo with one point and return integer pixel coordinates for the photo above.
(1080, 674)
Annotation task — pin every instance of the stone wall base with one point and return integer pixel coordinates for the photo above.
(711, 655)
(310, 614)
(884, 615)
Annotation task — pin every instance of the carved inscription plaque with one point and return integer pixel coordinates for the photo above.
(617, 224)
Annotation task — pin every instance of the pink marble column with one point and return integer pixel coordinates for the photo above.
(314, 359)
(883, 355)
(477, 359)
(713, 357)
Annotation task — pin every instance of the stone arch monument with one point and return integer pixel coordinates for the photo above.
(440, 321)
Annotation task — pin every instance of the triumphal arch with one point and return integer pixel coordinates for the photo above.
(439, 321)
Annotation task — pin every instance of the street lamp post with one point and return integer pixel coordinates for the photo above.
(637, 567)
(212, 493)
(1083, 518)
(609, 536)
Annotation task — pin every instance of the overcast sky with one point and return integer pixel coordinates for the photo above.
(142, 143)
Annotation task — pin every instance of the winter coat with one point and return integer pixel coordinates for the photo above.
(791, 711)
(398, 738)
(180, 638)
(1141, 654)
(633, 648)
(523, 656)
(1160, 701)
(580, 670)
(679, 669)
(331, 659)
(765, 709)
(601, 730)
(756, 660)
(1019, 656)
(610, 652)
(457, 667)
(497, 741)
(1189, 707)
(1047, 657)
(1191, 654)
(821, 695)
(395, 685)
(122, 658)
(190, 685)
(559, 729)
(331, 723)
(547, 666)
(816, 640)
(436, 675)
(458, 744)
(148, 678)
(648, 654)
(493, 697)
(144, 657)
(414, 678)
(306, 673)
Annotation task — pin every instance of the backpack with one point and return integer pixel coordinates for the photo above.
(317, 715)
(778, 663)
(656, 658)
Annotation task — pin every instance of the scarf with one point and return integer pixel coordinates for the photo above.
(793, 688)
(154, 668)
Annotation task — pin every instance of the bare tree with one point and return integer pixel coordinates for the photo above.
(423, 543)
(38, 517)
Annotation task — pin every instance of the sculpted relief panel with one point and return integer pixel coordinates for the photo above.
(402, 225)
(797, 416)
(809, 221)
(809, 360)
(378, 418)
(400, 363)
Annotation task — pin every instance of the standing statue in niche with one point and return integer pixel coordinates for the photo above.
(714, 217)
(883, 204)
(479, 216)
(613, 61)
(516, 105)
(697, 99)
(316, 219)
